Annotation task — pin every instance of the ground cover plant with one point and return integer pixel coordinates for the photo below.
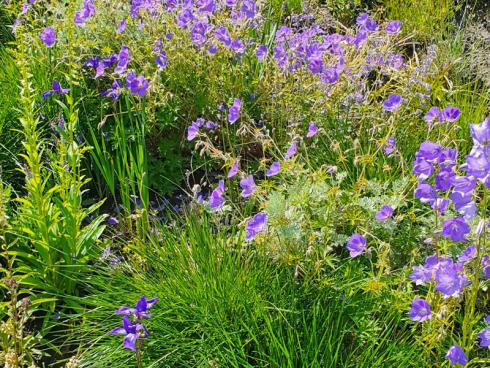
(241, 183)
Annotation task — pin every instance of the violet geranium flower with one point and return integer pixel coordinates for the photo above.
(356, 245)
(248, 186)
(48, 36)
(137, 84)
(274, 169)
(291, 150)
(384, 213)
(234, 110)
(312, 130)
(456, 355)
(455, 229)
(394, 27)
(420, 310)
(255, 225)
(485, 338)
(393, 103)
(234, 170)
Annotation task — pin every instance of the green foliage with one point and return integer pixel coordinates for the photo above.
(222, 306)
(429, 20)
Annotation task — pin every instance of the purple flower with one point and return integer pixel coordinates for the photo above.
(384, 213)
(485, 338)
(425, 193)
(371, 25)
(112, 221)
(440, 205)
(234, 110)
(161, 60)
(248, 9)
(87, 11)
(394, 27)
(393, 103)
(261, 52)
(274, 169)
(481, 133)
(444, 179)
(121, 27)
(487, 320)
(362, 19)
(330, 75)
(456, 355)
(137, 84)
(237, 46)
(234, 169)
(455, 229)
(223, 36)
(114, 92)
(451, 114)
(423, 169)
(468, 254)
(420, 310)
(141, 308)
(122, 60)
(448, 281)
(255, 225)
(211, 125)
(420, 275)
(132, 333)
(356, 245)
(192, 131)
(48, 36)
(312, 130)
(485, 263)
(291, 150)
(248, 186)
(429, 151)
(56, 89)
(216, 199)
(389, 147)
(433, 114)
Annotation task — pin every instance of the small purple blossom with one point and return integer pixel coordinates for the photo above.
(485, 338)
(456, 355)
(448, 281)
(122, 60)
(384, 213)
(112, 221)
(274, 169)
(248, 186)
(291, 150)
(138, 85)
(216, 199)
(233, 170)
(192, 131)
(161, 60)
(468, 254)
(393, 103)
(261, 52)
(419, 310)
(234, 110)
(420, 275)
(394, 27)
(389, 147)
(312, 130)
(140, 311)
(131, 332)
(451, 114)
(48, 36)
(356, 245)
(121, 27)
(455, 229)
(255, 225)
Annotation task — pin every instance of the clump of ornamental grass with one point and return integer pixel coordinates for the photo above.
(221, 304)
